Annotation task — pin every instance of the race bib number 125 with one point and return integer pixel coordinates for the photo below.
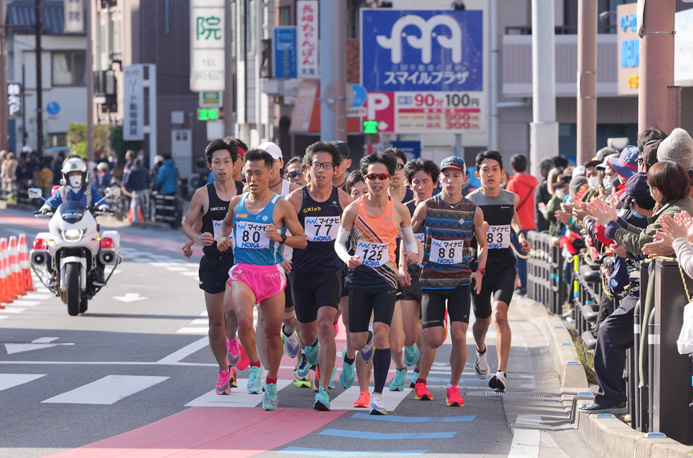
(372, 254)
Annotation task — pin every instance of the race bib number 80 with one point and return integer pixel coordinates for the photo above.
(322, 228)
(498, 237)
(251, 235)
(372, 254)
(446, 251)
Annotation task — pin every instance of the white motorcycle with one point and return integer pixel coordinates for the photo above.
(70, 259)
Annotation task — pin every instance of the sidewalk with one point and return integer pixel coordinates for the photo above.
(605, 433)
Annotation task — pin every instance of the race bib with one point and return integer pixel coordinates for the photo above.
(322, 228)
(251, 235)
(498, 237)
(446, 251)
(216, 225)
(421, 237)
(372, 254)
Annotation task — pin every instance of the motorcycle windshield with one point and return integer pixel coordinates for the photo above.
(72, 211)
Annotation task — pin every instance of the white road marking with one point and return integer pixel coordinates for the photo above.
(107, 390)
(185, 351)
(177, 269)
(525, 444)
(39, 296)
(11, 380)
(193, 331)
(11, 309)
(202, 321)
(391, 399)
(239, 397)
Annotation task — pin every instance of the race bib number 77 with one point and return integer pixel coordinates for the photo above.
(322, 228)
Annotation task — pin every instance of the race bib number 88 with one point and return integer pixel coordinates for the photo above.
(322, 228)
(251, 235)
(498, 237)
(446, 251)
(372, 254)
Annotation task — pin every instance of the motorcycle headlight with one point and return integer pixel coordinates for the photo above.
(73, 235)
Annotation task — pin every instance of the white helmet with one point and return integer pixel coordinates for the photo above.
(75, 164)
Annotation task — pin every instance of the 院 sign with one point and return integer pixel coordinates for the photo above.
(421, 50)
(133, 100)
(206, 45)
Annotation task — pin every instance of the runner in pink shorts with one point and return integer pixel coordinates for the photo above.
(265, 281)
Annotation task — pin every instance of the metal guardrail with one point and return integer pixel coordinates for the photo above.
(666, 403)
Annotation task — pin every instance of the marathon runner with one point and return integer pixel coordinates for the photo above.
(422, 176)
(259, 219)
(316, 274)
(499, 207)
(373, 223)
(449, 221)
(209, 205)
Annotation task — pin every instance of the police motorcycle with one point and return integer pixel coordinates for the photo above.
(71, 258)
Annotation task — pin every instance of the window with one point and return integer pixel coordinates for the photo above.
(68, 68)
(285, 15)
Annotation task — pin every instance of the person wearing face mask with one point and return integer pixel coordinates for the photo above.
(75, 187)
(560, 191)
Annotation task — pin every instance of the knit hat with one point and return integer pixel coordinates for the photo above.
(677, 147)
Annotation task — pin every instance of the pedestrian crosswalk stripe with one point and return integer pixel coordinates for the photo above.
(239, 397)
(348, 454)
(384, 436)
(391, 399)
(199, 331)
(400, 419)
(107, 390)
(12, 380)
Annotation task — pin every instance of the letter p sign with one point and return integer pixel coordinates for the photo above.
(380, 106)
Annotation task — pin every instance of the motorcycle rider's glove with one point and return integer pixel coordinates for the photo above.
(45, 209)
(104, 208)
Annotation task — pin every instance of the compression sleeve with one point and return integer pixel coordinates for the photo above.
(340, 245)
(409, 240)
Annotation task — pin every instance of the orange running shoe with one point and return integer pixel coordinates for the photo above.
(364, 400)
(454, 399)
(422, 394)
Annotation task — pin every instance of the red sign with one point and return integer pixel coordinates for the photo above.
(380, 106)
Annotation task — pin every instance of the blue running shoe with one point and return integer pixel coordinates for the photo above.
(413, 378)
(367, 351)
(411, 355)
(292, 346)
(312, 354)
(255, 379)
(346, 378)
(397, 383)
(270, 400)
(333, 378)
(322, 400)
(302, 374)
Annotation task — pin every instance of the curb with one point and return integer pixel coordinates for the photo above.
(605, 433)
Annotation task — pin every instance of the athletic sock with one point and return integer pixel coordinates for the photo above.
(450, 385)
(348, 360)
(482, 352)
(256, 363)
(416, 369)
(381, 365)
(421, 380)
(270, 380)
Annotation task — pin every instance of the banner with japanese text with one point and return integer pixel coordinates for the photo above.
(307, 15)
(206, 45)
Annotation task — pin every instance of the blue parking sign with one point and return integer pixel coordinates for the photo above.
(417, 50)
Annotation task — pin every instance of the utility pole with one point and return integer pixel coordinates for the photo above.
(89, 78)
(659, 99)
(333, 70)
(228, 70)
(587, 81)
(544, 128)
(38, 9)
(4, 114)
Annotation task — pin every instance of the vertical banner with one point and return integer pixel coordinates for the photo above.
(207, 45)
(74, 16)
(628, 74)
(133, 99)
(307, 25)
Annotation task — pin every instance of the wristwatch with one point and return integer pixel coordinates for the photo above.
(283, 238)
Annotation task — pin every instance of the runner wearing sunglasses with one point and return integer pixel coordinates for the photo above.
(373, 223)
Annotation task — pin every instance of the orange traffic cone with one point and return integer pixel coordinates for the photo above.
(5, 293)
(27, 281)
(16, 275)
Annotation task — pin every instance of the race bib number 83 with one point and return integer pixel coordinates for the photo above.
(372, 254)
(498, 237)
(447, 251)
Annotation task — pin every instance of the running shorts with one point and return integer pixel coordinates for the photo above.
(310, 292)
(433, 306)
(498, 282)
(363, 301)
(214, 272)
(264, 281)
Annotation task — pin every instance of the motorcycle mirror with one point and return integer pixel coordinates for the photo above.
(35, 193)
(114, 191)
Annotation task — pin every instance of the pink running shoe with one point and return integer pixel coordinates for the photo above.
(234, 353)
(336, 328)
(244, 362)
(224, 382)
